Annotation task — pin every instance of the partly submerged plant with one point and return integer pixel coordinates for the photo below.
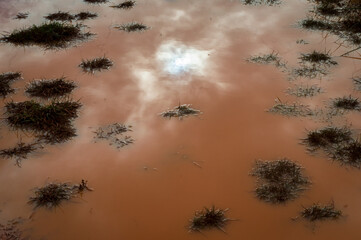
(21, 15)
(96, 1)
(60, 16)
(96, 64)
(85, 15)
(262, 2)
(124, 5)
(21, 151)
(291, 110)
(348, 154)
(132, 27)
(317, 212)
(5, 80)
(317, 58)
(209, 218)
(181, 111)
(346, 103)
(271, 58)
(113, 133)
(51, 88)
(50, 35)
(304, 91)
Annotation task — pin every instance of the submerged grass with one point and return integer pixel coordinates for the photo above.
(132, 27)
(124, 5)
(181, 111)
(208, 218)
(5, 80)
(11, 231)
(291, 110)
(52, 88)
(271, 58)
(96, 64)
(60, 16)
(51, 122)
(278, 181)
(20, 152)
(304, 91)
(47, 35)
(317, 212)
(113, 134)
(53, 194)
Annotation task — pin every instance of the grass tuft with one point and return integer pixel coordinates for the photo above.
(60, 16)
(291, 110)
(96, 64)
(304, 91)
(48, 35)
(271, 58)
(317, 212)
(132, 27)
(208, 218)
(85, 15)
(96, 1)
(21, 151)
(52, 88)
(125, 5)
(346, 103)
(318, 58)
(5, 80)
(21, 15)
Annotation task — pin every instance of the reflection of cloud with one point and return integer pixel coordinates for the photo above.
(177, 58)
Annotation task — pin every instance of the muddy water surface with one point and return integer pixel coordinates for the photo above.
(194, 53)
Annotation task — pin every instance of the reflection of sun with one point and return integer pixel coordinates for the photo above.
(177, 58)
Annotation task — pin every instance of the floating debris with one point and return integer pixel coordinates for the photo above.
(52, 88)
(132, 27)
(262, 2)
(11, 230)
(317, 212)
(113, 133)
(96, 64)
(85, 15)
(346, 103)
(53, 194)
(5, 80)
(209, 218)
(278, 181)
(327, 138)
(21, 15)
(301, 41)
(125, 5)
(51, 35)
(96, 1)
(51, 123)
(317, 58)
(60, 16)
(291, 110)
(181, 111)
(271, 58)
(20, 152)
(305, 91)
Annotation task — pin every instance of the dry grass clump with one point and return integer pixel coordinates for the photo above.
(50, 122)
(209, 218)
(52, 88)
(125, 5)
(132, 27)
(10, 230)
(50, 35)
(181, 111)
(96, 64)
(21, 151)
(85, 15)
(21, 15)
(96, 1)
(60, 16)
(114, 134)
(317, 212)
(262, 2)
(53, 194)
(271, 58)
(304, 91)
(346, 103)
(318, 58)
(5, 80)
(278, 181)
(291, 110)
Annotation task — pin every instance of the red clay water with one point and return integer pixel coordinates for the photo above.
(194, 53)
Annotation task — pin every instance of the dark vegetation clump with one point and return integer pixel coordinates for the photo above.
(318, 212)
(208, 218)
(60, 16)
(327, 138)
(262, 2)
(291, 110)
(85, 15)
(347, 103)
(22, 15)
(52, 88)
(96, 1)
(48, 35)
(341, 18)
(125, 5)
(114, 134)
(317, 58)
(53, 194)
(271, 58)
(132, 27)
(11, 231)
(308, 72)
(5, 80)
(304, 91)
(278, 181)
(96, 64)
(21, 151)
(50, 122)
(348, 154)
(181, 111)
